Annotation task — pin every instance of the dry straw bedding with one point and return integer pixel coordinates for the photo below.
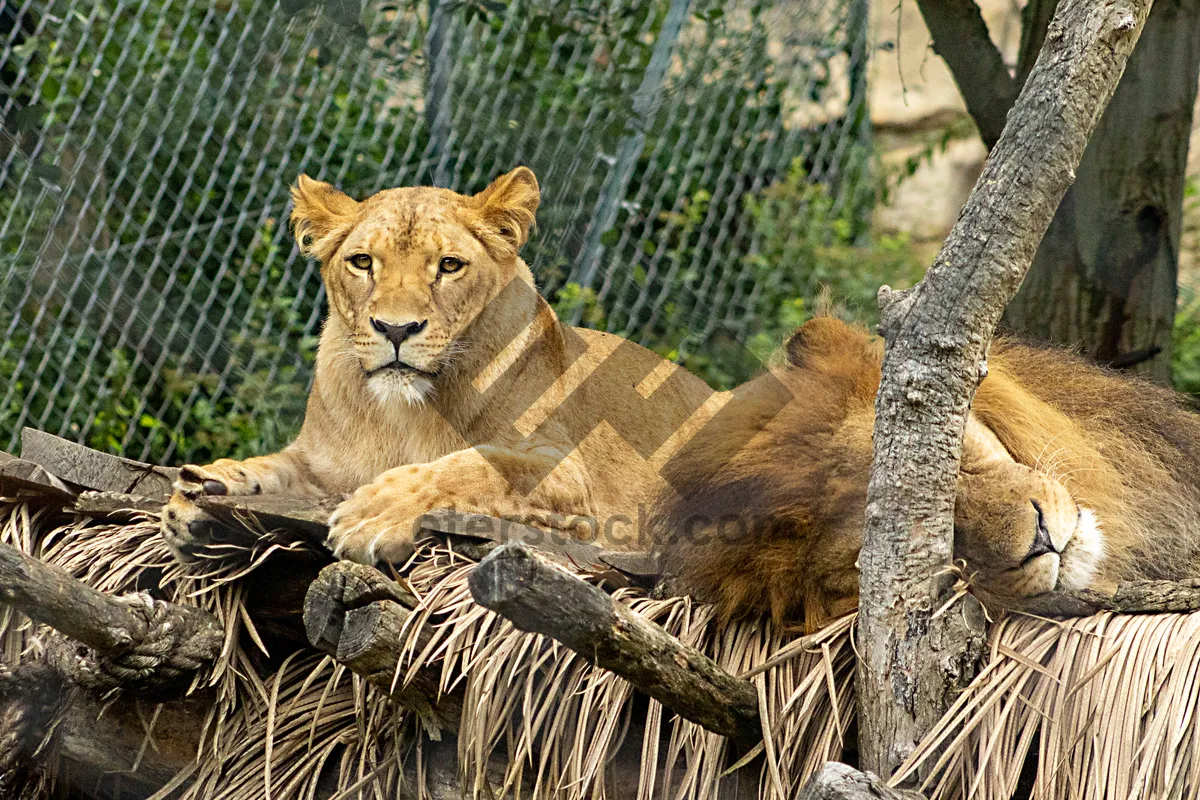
(1107, 704)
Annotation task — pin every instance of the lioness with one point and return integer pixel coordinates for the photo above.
(444, 380)
(1071, 477)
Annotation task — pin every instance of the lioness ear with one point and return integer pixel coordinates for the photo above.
(509, 203)
(321, 218)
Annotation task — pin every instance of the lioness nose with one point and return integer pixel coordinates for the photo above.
(398, 334)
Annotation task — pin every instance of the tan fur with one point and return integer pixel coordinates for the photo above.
(405, 441)
(1086, 445)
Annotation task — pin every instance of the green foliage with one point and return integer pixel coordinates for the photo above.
(1185, 357)
(808, 245)
(1185, 353)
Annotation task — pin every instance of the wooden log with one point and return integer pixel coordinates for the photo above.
(92, 469)
(99, 737)
(357, 615)
(538, 596)
(48, 594)
(913, 658)
(837, 781)
(112, 627)
(105, 736)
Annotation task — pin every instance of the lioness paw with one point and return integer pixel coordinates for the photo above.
(380, 521)
(184, 527)
(224, 476)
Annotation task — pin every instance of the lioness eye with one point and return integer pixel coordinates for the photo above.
(449, 265)
(360, 261)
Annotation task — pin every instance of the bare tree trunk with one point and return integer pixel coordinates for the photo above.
(1105, 275)
(961, 38)
(937, 335)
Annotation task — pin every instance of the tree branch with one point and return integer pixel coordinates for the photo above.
(115, 628)
(1134, 597)
(936, 337)
(540, 597)
(961, 38)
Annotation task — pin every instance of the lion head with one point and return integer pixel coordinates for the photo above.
(407, 270)
(1018, 527)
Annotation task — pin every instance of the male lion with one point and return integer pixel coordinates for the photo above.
(1071, 477)
(444, 380)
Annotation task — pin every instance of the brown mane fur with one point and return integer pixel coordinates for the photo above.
(1127, 450)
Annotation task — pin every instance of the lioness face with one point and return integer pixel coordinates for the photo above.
(1019, 529)
(406, 270)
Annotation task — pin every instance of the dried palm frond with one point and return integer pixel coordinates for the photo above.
(322, 726)
(1108, 705)
(556, 725)
(1104, 707)
(563, 723)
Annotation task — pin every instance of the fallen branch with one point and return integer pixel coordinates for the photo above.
(538, 596)
(936, 336)
(1135, 597)
(138, 643)
(358, 615)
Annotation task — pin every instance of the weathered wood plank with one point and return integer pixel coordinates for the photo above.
(305, 516)
(27, 481)
(92, 469)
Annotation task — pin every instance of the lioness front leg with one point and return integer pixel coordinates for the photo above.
(184, 526)
(379, 521)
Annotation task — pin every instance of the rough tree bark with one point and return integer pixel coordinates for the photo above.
(937, 335)
(115, 628)
(1105, 274)
(840, 782)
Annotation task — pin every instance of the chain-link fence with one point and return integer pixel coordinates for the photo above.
(694, 157)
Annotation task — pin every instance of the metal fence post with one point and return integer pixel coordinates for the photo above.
(645, 106)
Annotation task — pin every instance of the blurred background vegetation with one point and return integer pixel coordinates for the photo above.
(709, 168)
